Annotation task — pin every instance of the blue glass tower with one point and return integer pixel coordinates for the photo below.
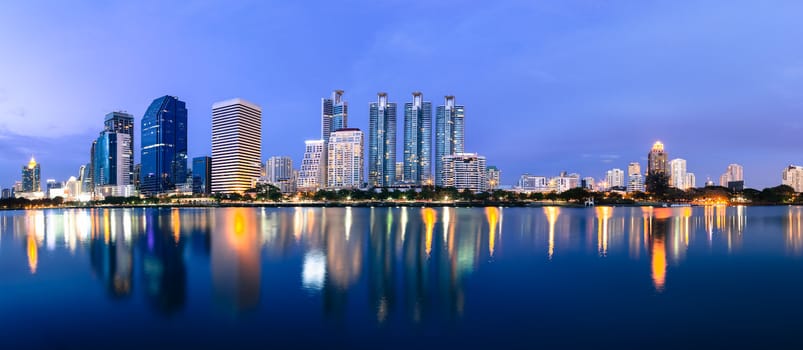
(334, 116)
(417, 141)
(164, 145)
(382, 142)
(202, 175)
(449, 134)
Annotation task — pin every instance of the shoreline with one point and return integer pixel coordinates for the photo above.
(379, 204)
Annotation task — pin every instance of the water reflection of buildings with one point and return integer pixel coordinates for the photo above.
(236, 265)
(793, 231)
(163, 266)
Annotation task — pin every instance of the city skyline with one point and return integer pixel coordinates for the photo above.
(581, 72)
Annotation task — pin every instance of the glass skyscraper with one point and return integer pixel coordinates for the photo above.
(113, 164)
(418, 141)
(31, 179)
(202, 175)
(164, 145)
(449, 134)
(382, 142)
(334, 116)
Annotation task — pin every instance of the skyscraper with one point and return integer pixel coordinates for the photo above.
(465, 171)
(494, 177)
(345, 158)
(691, 181)
(164, 145)
(334, 116)
(309, 175)
(122, 122)
(113, 164)
(635, 181)
(382, 142)
(278, 168)
(615, 178)
(236, 145)
(449, 134)
(734, 173)
(793, 176)
(202, 175)
(31, 175)
(677, 173)
(657, 159)
(418, 141)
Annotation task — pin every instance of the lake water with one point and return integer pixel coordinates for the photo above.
(402, 277)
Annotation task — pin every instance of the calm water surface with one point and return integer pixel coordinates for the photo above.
(401, 277)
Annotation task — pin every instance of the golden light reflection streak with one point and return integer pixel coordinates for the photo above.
(552, 217)
(603, 214)
(298, 223)
(446, 217)
(429, 217)
(492, 215)
(658, 264)
(33, 256)
(403, 223)
(106, 226)
(176, 224)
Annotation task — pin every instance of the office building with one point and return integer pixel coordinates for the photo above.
(449, 134)
(345, 159)
(399, 172)
(309, 174)
(31, 177)
(635, 180)
(279, 172)
(734, 173)
(677, 173)
(532, 183)
(418, 141)
(334, 116)
(615, 179)
(588, 183)
(564, 182)
(382, 142)
(494, 175)
(657, 160)
(465, 171)
(202, 175)
(113, 160)
(164, 146)
(123, 123)
(793, 176)
(691, 181)
(236, 145)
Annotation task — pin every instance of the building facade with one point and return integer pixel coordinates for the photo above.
(691, 181)
(793, 176)
(164, 146)
(494, 176)
(334, 116)
(615, 178)
(345, 159)
(236, 145)
(123, 123)
(657, 160)
(733, 173)
(635, 180)
(449, 134)
(533, 183)
(465, 171)
(418, 141)
(677, 173)
(31, 177)
(113, 160)
(382, 142)
(202, 175)
(309, 174)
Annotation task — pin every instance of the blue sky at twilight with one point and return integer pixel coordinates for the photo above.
(582, 86)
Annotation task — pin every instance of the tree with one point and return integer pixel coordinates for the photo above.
(657, 184)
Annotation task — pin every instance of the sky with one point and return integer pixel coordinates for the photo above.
(582, 86)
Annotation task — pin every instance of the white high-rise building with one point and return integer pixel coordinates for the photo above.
(735, 172)
(635, 180)
(236, 145)
(793, 176)
(494, 177)
(677, 173)
(533, 183)
(615, 178)
(278, 168)
(465, 171)
(345, 159)
(309, 176)
(691, 181)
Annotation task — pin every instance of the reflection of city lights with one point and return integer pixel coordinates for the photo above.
(428, 215)
(492, 215)
(658, 264)
(446, 218)
(348, 222)
(603, 214)
(175, 224)
(552, 217)
(313, 274)
(33, 257)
